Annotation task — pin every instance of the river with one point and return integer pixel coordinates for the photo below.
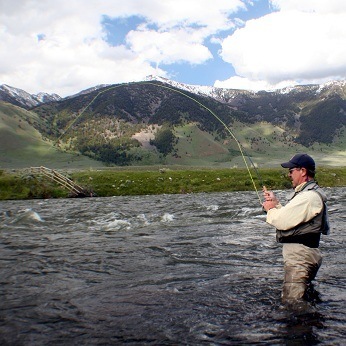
(195, 269)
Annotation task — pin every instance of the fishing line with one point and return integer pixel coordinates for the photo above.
(230, 132)
(84, 109)
(242, 152)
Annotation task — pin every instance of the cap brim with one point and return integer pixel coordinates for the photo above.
(288, 165)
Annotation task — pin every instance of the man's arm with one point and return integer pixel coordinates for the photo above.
(302, 208)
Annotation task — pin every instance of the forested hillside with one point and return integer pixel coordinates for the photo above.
(154, 122)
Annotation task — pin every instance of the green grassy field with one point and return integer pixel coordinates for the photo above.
(22, 146)
(152, 180)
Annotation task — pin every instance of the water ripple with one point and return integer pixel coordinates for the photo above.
(182, 269)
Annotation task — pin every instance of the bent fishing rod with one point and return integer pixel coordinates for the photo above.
(240, 147)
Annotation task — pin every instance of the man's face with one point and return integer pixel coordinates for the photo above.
(297, 176)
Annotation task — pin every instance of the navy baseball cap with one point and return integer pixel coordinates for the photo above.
(300, 160)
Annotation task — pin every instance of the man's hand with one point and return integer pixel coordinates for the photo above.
(270, 200)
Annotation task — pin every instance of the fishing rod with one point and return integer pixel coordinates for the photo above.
(241, 149)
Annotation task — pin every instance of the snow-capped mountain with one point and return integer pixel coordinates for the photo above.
(304, 115)
(23, 99)
(219, 94)
(232, 97)
(45, 97)
(227, 95)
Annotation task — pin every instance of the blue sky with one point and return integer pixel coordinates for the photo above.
(66, 46)
(185, 72)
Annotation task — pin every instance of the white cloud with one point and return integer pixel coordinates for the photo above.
(304, 42)
(315, 6)
(168, 47)
(60, 46)
(242, 83)
(173, 13)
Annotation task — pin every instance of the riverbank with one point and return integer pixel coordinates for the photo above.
(22, 184)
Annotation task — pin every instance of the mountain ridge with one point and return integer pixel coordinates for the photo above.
(24, 99)
(185, 123)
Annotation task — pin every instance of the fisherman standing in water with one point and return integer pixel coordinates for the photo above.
(299, 225)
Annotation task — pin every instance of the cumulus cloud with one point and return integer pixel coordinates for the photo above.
(168, 47)
(61, 46)
(316, 6)
(303, 41)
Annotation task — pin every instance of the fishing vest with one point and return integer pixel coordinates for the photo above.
(307, 233)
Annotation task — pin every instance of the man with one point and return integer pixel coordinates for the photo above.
(299, 225)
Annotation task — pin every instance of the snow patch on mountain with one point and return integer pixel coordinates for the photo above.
(24, 99)
(44, 97)
(232, 97)
(220, 94)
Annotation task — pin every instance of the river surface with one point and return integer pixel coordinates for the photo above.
(199, 269)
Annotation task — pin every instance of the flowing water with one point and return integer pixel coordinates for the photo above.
(199, 269)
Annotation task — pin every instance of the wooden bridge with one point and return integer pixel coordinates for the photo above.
(75, 189)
